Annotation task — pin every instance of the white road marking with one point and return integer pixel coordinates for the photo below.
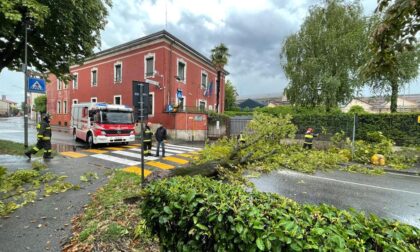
(406, 175)
(116, 159)
(134, 155)
(183, 147)
(353, 183)
(153, 151)
(169, 150)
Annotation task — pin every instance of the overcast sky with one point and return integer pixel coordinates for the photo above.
(252, 30)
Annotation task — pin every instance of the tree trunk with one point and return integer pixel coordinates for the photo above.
(394, 96)
(218, 90)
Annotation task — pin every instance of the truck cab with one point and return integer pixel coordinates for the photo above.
(97, 123)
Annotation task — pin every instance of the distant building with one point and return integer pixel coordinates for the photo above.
(263, 102)
(405, 103)
(183, 83)
(7, 107)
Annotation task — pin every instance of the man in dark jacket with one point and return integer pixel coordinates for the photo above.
(147, 140)
(44, 138)
(161, 138)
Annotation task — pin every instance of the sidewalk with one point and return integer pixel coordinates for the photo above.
(46, 224)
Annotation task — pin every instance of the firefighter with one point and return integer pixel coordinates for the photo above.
(44, 138)
(147, 140)
(309, 137)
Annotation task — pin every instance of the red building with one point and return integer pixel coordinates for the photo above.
(166, 62)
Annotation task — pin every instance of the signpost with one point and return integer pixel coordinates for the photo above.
(36, 85)
(140, 96)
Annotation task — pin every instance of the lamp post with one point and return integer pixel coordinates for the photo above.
(25, 71)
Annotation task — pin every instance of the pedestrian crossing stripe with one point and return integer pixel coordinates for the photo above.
(136, 144)
(176, 160)
(134, 155)
(186, 155)
(114, 148)
(183, 147)
(96, 151)
(169, 150)
(73, 154)
(139, 150)
(116, 159)
(137, 170)
(160, 165)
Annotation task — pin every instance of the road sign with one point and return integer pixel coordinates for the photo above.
(36, 85)
(141, 99)
(179, 93)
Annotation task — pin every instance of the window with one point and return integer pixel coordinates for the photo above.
(75, 101)
(94, 77)
(58, 84)
(202, 106)
(181, 71)
(58, 107)
(210, 107)
(117, 99)
(75, 81)
(93, 99)
(64, 107)
(203, 80)
(151, 111)
(149, 65)
(118, 72)
(65, 84)
(181, 103)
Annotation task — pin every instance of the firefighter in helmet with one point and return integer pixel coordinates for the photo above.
(44, 138)
(309, 137)
(147, 140)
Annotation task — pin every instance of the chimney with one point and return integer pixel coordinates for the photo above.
(3, 97)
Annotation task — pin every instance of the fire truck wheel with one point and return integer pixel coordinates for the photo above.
(90, 140)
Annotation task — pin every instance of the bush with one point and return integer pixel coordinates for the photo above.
(200, 214)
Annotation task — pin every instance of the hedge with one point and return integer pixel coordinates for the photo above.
(200, 214)
(402, 128)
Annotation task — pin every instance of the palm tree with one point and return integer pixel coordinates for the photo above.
(219, 57)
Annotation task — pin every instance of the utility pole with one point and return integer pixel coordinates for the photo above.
(25, 71)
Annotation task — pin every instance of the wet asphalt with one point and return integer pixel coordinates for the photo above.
(392, 196)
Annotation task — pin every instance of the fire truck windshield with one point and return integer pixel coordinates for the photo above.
(116, 117)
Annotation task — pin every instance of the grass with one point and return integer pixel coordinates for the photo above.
(13, 148)
(110, 224)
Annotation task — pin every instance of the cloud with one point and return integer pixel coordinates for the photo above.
(254, 32)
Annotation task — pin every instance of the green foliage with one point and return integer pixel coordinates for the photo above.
(357, 168)
(323, 57)
(237, 113)
(200, 214)
(12, 148)
(89, 177)
(356, 109)
(230, 96)
(41, 104)
(21, 187)
(220, 56)
(110, 224)
(61, 32)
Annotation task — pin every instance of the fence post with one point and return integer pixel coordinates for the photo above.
(353, 136)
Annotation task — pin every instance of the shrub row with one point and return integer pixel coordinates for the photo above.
(200, 214)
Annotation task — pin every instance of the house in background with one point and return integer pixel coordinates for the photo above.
(7, 107)
(250, 104)
(405, 103)
(182, 89)
(263, 102)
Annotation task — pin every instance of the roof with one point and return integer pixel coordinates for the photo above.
(249, 103)
(149, 38)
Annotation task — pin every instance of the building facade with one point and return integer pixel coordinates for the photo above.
(182, 83)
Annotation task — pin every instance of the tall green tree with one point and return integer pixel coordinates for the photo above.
(219, 57)
(230, 95)
(394, 51)
(60, 33)
(322, 58)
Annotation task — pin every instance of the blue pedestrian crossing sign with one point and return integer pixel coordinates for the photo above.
(36, 85)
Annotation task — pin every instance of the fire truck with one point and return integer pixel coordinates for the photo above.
(97, 123)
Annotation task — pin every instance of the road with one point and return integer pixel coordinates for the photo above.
(392, 196)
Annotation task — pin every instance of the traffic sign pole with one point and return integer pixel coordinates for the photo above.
(25, 101)
(141, 130)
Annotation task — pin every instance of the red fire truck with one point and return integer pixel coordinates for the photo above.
(97, 123)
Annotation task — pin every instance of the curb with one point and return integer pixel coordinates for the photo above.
(412, 173)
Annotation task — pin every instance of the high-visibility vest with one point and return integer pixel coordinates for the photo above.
(147, 134)
(44, 131)
(309, 138)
